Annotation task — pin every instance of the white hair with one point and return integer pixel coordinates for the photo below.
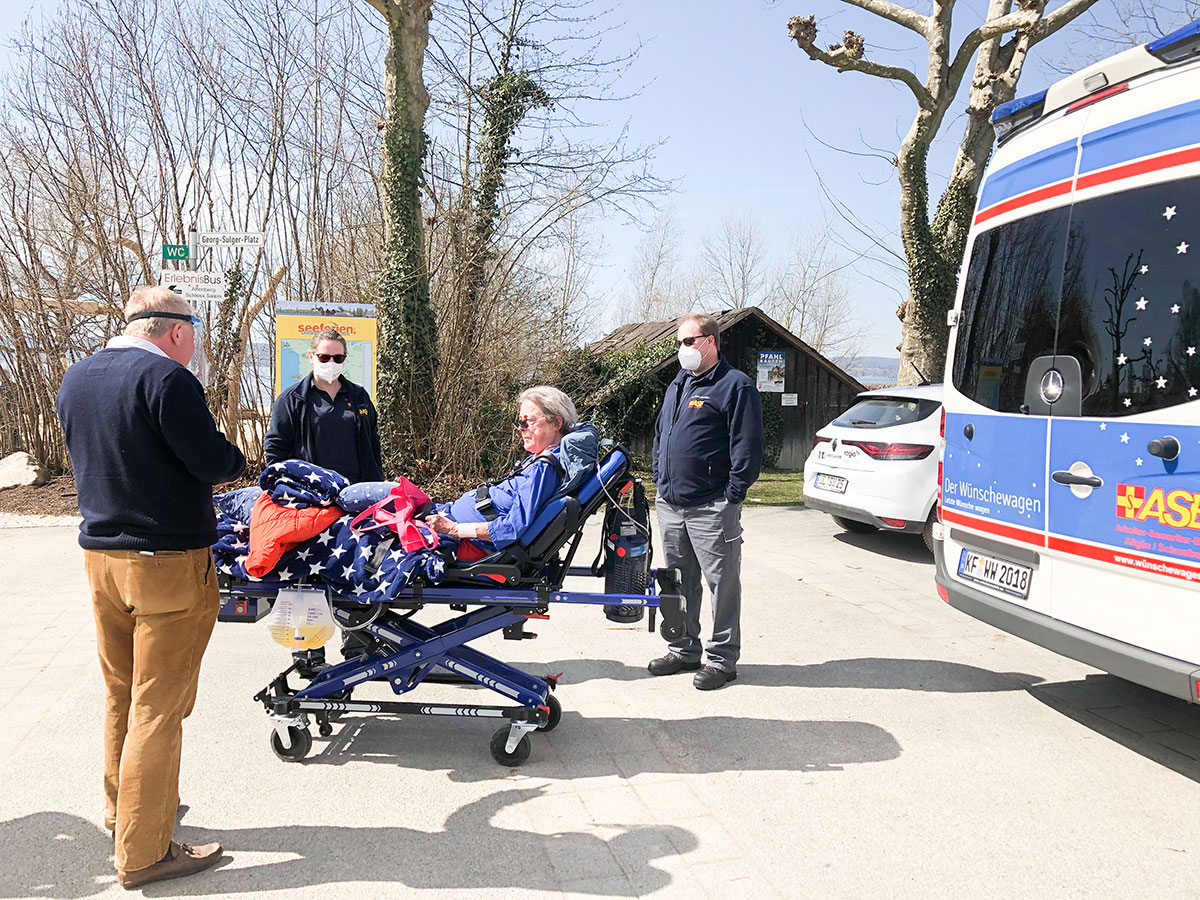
(553, 403)
(154, 299)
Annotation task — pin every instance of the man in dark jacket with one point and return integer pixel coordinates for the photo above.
(328, 420)
(146, 455)
(708, 447)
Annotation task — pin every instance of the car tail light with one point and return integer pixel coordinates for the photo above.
(877, 450)
(893, 523)
(821, 440)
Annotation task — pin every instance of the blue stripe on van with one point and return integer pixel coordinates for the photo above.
(1047, 166)
(1156, 132)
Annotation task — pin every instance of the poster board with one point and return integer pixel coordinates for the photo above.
(295, 325)
(772, 364)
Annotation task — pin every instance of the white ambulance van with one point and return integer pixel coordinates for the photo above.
(1070, 485)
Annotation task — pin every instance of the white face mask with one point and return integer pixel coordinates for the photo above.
(690, 358)
(328, 371)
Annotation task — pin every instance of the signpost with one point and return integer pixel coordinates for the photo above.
(230, 239)
(198, 287)
(174, 252)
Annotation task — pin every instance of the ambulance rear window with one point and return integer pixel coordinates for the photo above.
(1010, 307)
(1131, 298)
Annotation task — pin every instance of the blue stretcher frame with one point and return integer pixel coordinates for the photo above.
(407, 654)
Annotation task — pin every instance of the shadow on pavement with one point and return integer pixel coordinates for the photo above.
(54, 854)
(874, 673)
(1161, 728)
(894, 545)
(594, 747)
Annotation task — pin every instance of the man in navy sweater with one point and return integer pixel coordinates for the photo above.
(146, 455)
(708, 448)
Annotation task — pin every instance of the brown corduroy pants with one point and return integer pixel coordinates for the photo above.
(154, 616)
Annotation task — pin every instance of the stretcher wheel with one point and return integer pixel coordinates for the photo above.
(518, 756)
(670, 633)
(325, 729)
(301, 744)
(555, 713)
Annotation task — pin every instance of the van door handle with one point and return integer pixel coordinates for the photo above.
(1069, 478)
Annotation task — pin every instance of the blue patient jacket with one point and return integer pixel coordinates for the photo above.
(516, 499)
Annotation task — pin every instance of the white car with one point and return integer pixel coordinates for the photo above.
(876, 465)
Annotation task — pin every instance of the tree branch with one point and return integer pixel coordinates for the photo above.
(844, 59)
(985, 32)
(901, 15)
(1065, 14)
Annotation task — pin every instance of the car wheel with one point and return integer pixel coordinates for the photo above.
(927, 531)
(854, 525)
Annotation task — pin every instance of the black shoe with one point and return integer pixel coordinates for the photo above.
(670, 664)
(309, 662)
(711, 678)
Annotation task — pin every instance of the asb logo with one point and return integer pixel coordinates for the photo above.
(1177, 508)
(695, 404)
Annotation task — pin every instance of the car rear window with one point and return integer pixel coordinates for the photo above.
(880, 412)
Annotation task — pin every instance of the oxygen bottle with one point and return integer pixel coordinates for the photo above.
(300, 618)
(627, 553)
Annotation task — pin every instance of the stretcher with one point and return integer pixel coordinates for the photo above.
(501, 593)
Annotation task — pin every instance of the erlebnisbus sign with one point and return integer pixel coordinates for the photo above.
(295, 325)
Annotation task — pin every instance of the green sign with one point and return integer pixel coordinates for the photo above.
(175, 251)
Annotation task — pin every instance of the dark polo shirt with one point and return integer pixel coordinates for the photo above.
(341, 433)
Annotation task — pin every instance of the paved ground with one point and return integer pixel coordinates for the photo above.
(876, 743)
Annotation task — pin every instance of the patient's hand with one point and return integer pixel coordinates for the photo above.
(441, 524)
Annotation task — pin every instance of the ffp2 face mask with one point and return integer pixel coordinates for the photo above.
(328, 371)
(690, 358)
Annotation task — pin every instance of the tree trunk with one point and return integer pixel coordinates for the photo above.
(408, 339)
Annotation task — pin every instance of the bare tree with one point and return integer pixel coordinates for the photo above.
(810, 297)
(656, 287)
(734, 261)
(999, 46)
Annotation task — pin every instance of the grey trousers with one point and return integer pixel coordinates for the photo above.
(706, 540)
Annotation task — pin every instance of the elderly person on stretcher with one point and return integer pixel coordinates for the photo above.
(494, 514)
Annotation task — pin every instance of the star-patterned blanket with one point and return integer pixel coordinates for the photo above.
(369, 567)
(297, 483)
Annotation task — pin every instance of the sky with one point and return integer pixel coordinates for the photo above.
(744, 118)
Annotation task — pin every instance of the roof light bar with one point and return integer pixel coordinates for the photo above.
(1008, 117)
(1181, 44)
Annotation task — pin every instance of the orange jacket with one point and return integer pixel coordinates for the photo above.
(276, 529)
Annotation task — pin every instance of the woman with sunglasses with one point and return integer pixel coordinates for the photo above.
(493, 515)
(326, 419)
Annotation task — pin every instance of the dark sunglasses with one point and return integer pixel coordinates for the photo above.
(326, 357)
(688, 341)
(526, 424)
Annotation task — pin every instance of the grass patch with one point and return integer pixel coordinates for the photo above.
(776, 487)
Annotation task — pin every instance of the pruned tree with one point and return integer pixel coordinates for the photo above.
(934, 244)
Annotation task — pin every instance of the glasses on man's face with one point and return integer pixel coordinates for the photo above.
(688, 341)
(524, 424)
(328, 357)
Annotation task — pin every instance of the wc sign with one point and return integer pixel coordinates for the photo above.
(174, 251)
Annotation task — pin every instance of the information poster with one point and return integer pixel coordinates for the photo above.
(295, 325)
(771, 367)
